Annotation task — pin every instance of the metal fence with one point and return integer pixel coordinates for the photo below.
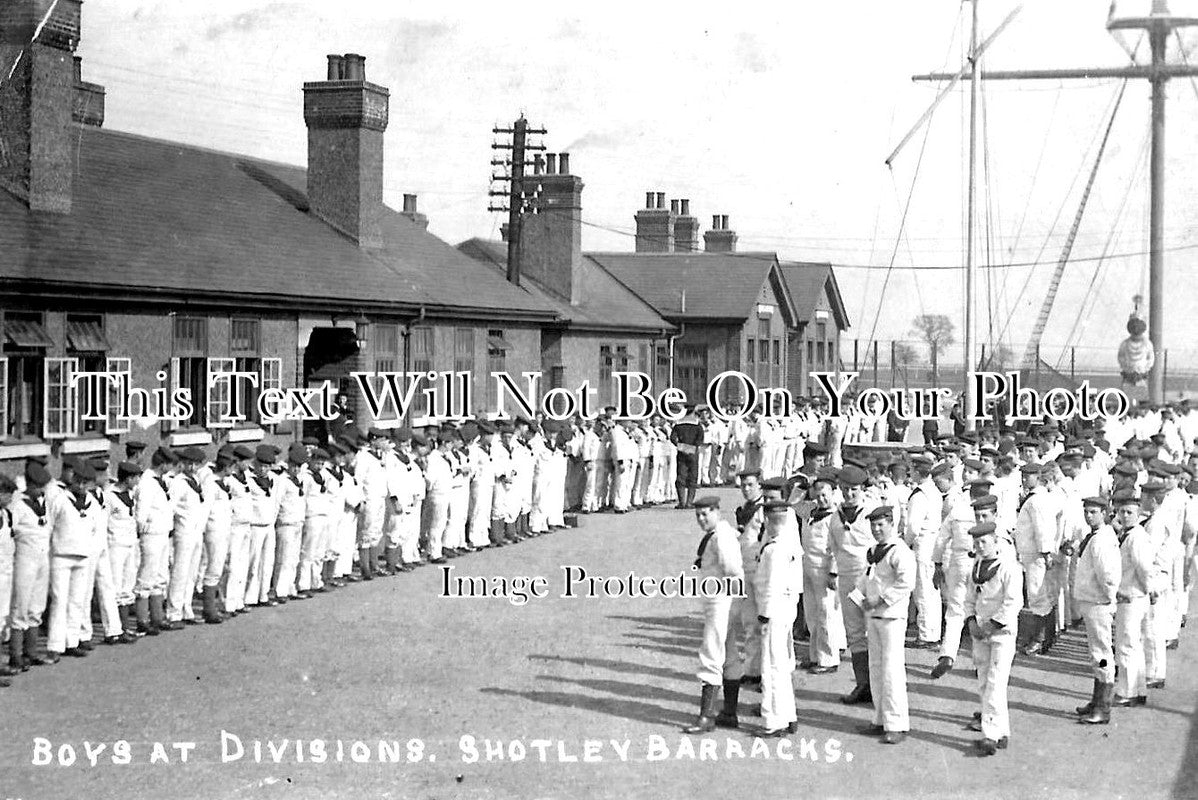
(907, 364)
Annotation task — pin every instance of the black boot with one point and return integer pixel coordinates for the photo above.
(1026, 629)
(861, 692)
(381, 565)
(727, 717)
(391, 555)
(158, 620)
(16, 650)
(127, 633)
(1101, 714)
(708, 701)
(680, 489)
(211, 612)
(31, 652)
(364, 563)
(141, 607)
(1088, 708)
(1049, 626)
(1035, 629)
(690, 496)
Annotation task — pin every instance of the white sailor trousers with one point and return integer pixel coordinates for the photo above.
(887, 672)
(956, 584)
(992, 656)
(1130, 619)
(718, 659)
(777, 666)
(1099, 621)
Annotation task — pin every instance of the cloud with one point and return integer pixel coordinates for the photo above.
(596, 140)
(752, 53)
(249, 21)
(411, 39)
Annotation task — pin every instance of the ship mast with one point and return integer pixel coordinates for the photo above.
(970, 266)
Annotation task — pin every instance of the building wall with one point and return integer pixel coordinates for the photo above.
(146, 339)
(582, 357)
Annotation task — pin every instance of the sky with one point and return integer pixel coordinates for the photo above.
(781, 118)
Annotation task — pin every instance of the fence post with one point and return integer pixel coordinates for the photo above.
(893, 363)
(1037, 366)
(855, 365)
(1165, 376)
(875, 362)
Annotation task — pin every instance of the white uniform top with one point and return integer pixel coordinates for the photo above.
(1135, 554)
(778, 578)
(122, 517)
(292, 499)
(719, 553)
(155, 513)
(191, 507)
(998, 598)
(1099, 567)
(1037, 525)
(953, 540)
(923, 511)
(891, 579)
(72, 524)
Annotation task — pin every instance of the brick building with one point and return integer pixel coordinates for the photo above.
(813, 345)
(160, 260)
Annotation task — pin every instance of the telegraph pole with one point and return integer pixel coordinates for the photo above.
(515, 193)
(1159, 25)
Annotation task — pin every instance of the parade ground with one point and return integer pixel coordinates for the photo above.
(556, 698)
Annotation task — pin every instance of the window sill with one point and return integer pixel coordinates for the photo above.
(23, 449)
(248, 433)
(87, 444)
(190, 438)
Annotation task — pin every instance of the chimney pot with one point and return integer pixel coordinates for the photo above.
(723, 222)
(355, 67)
(648, 199)
(538, 164)
(409, 203)
(551, 163)
(661, 199)
(686, 207)
(674, 206)
(563, 163)
(78, 69)
(336, 67)
(715, 222)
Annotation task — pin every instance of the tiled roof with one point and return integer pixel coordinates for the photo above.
(605, 303)
(717, 285)
(807, 281)
(155, 217)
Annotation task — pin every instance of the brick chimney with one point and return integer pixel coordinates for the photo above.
(719, 239)
(686, 229)
(346, 118)
(409, 211)
(551, 239)
(655, 225)
(36, 132)
(89, 99)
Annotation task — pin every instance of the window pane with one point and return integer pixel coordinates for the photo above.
(386, 339)
(463, 350)
(191, 335)
(244, 335)
(777, 352)
(751, 351)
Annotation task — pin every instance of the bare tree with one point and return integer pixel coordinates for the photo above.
(999, 358)
(936, 331)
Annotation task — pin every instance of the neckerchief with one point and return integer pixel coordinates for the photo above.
(80, 503)
(240, 477)
(126, 499)
(263, 483)
(224, 485)
(878, 552)
(818, 514)
(337, 473)
(162, 483)
(848, 515)
(745, 512)
(8, 520)
(985, 570)
(298, 484)
(39, 508)
(195, 486)
(703, 546)
(1081, 551)
(318, 479)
